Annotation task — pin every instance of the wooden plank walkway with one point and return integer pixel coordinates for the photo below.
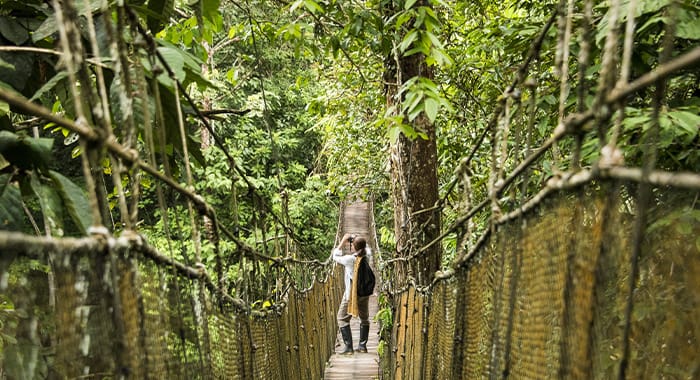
(359, 365)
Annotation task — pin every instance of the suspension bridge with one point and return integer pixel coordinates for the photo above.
(594, 276)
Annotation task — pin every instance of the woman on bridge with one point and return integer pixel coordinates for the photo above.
(352, 304)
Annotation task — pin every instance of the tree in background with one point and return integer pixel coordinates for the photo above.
(412, 106)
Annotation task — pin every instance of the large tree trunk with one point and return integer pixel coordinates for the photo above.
(414, 180)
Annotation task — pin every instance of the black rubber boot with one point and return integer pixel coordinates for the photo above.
(364, 334)
(347, 339)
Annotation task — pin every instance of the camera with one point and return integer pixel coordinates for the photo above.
(351, 238)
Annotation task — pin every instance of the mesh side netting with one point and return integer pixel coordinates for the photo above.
(115, 314)
(546, 296)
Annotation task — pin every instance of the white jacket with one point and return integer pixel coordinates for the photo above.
(348, 261)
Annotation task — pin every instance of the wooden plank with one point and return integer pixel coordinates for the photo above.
(359, 365)
(355, 220)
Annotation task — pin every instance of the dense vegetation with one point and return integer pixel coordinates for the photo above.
(295, 106)
(296, 93)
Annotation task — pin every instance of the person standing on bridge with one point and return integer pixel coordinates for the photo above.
(352, 304)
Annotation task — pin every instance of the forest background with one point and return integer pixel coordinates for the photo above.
(312, 99)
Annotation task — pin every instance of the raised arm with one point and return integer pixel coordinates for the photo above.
(338, 252)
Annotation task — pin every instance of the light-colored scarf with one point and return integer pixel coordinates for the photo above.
(353, 308)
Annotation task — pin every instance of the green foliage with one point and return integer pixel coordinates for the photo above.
(422, 37)
(385, 319)
(11, 217)
(74, 200)
(678, 130)
(422, 96)
(314, 214)
(159, 14)
(29, 159)
(310, 80)
(25, 153)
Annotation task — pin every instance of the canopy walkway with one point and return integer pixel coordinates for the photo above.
(595, 276)
(357, 218)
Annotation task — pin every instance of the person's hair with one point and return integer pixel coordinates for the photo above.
(360, 245)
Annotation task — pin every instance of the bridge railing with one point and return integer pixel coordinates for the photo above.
(589, 271)
(158, 286)
(546, 295)
(101, 306)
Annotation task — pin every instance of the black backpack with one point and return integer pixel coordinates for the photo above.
(365, 279)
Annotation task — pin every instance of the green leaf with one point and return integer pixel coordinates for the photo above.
(175, 61)
(50, 203)
(409, 4)
(650, 23)
(162, 10)
(403, 18)
(47, 28)
(210, 9)
(4, 107)
(412, 101)
(12, 30)
(430, 13)
(74, 200)
(408, 40)
(428, 85)
(76, 152)
(393, 131)
(48, 86)
(413, 113)
(550, 99)
(313, 6)
(186, 63)
(296, 5)
(688, 121)
(8, 339)
(408, 131)
(416, 50)
(433, 39)
(20, 75)
(687, 25)
(25, 152)
(431, 109)
(439, 57)
(11, 214)
(6, 65)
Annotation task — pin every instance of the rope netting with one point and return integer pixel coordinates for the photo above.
(546, 296)
(593, 276)
(183, 298)
(117, 313)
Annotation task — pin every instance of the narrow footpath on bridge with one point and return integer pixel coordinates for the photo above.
(356, 219)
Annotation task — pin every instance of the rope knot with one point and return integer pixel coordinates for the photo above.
(610, 156)
(201, 269)
(554, 182)
(132, 155)
(98, 231)
(560, 130)
(127, 239)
